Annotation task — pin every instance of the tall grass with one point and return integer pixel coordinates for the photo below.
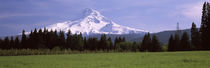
(189, 59)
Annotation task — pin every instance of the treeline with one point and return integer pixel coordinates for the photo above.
(200, 38)
(44, 39)
(176, 43)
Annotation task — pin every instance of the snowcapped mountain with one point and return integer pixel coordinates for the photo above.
(93, 23)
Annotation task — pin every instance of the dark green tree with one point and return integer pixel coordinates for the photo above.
(92, 44)
(6, 43)
(185, 42)
(33, 40)
(195, 37)
(208, 26)
(155, 44)
(115, 42)
(1, 43)
(17, 43)
(68, 39)
(102, 43)
(135, 47)
(77, 42)
(45, 39)
(52, 39)
(61, 39)
(40, 39)
(85, 44)
(12, 43)
(177, 45)
(204, 29)
(24, 40)
(171, 44)
(146, 43)
(80, 42)
(74, 42)
(109, 44)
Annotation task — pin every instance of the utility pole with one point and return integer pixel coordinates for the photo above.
(178, 29)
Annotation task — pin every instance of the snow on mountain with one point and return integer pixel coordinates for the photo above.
(93, 23)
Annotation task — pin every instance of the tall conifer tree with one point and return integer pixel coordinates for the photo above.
(195, 38)
(185, 43)
(24, 40)
(204, 29)
(177, 42)
(171, 45)
(17, 43)
(155, 44)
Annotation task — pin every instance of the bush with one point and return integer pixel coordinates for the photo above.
(164, 47)
(124, 46)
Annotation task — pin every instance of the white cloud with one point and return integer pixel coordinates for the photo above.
(192, 11)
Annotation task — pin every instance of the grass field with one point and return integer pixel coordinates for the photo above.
(194, 59)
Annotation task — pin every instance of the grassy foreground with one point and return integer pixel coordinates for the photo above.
(193, 59)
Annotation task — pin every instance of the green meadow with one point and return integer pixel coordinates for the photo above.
(190, 59)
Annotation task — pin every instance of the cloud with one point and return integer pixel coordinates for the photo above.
(192, 11)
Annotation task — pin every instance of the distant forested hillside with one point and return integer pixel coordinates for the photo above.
(163, 36)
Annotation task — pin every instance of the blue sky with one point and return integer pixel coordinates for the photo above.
(150, 15)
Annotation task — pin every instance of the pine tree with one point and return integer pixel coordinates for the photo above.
(17, 43)
(109, 44)
(12, 43)
(185, 43)
(77, 42)
(30, 41)
(55, 38)
(115, 42)
(40, 39)
(177, 45)
(68, 39)
(6, 43)
(102, 42)
(45, 39)
(33, 40)
(155, 44)
(52, 39)
(45, 31)
(85, 43)
(146, 43)
(80, 42)
(92, 44)
(1, 43)
(204, 29)
(208, 26)
(171, 44)
(61, 39)
(48, 39)
(74, 42)
(143, 44)
(149, 42)
(24, 40)
(195, 38)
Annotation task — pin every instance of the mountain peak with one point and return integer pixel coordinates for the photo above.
(94, 23)
(92, 12)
